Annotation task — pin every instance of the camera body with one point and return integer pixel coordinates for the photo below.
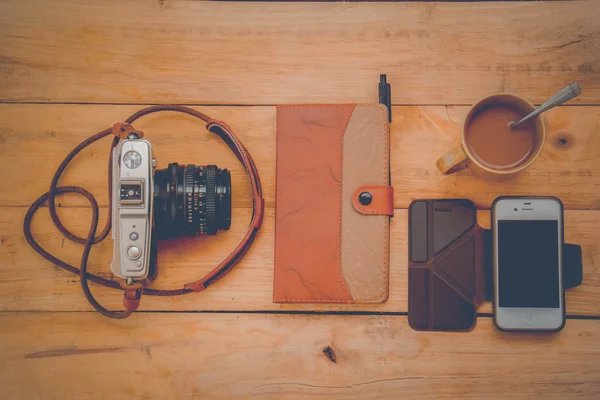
(133, 208)
(180, 200)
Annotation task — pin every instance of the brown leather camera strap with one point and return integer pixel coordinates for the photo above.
(133, 293)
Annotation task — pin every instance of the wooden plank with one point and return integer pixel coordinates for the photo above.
(40, 144)
(233, 356)
(32, 148)
(27, 282)
(568, 166)
(196, 52)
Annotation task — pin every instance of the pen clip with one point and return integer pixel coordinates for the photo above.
(385, 94)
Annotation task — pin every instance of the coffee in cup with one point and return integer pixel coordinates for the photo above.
(489, 146)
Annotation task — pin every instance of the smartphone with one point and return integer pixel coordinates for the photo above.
(528, 240)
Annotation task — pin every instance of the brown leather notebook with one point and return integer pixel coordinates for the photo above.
(333, 204)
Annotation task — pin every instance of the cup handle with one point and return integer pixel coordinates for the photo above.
(452, 161)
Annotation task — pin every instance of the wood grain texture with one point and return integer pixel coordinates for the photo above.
(255, 56)
(199, 52)
(28, 282)
(233, 356)
(39, 138)
(569, 166)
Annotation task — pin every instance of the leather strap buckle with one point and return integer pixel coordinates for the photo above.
(131, 299)
(122, 130)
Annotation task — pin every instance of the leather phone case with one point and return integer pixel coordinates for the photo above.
(331, 247)
(450, 259)
(446, 265)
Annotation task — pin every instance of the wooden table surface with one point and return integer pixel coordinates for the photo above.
(70, 68)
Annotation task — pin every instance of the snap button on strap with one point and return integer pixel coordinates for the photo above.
(374, 200)
(365, 198)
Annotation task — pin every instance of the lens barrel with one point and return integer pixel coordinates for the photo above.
(191, 200)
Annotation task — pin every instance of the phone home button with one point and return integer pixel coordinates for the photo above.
(528, 319)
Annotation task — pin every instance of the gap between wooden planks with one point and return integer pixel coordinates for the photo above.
(247, 53)
(84, 355)
(28, 282)
(33, 147)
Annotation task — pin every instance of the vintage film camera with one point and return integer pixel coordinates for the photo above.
(147, 204)
(172, 202)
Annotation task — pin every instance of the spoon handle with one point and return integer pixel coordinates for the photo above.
(567, 93)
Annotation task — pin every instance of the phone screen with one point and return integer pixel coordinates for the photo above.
(528, 264)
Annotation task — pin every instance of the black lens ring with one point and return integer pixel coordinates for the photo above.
(172, 198)
(210, 199)
(223, 189)
(190, 215)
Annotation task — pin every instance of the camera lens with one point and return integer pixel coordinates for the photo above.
(191, 200)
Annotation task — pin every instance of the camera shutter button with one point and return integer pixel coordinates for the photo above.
(134, 252)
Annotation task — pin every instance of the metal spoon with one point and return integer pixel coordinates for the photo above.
(567, 93)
